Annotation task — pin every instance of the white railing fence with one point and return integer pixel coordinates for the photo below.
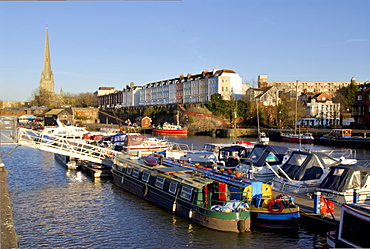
(68, 147)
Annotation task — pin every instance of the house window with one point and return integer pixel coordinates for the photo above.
(146, 176)
(359, 97)
(368, 97)
(186, 192)
(173, 187)
(159, 183)
(369, 109)
(136, 173)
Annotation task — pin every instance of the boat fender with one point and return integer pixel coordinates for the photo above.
(271, 203)
(190, 214)
(241, 226)
(173, 207)
(145, 190)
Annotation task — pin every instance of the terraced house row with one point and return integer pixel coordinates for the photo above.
(187, 89)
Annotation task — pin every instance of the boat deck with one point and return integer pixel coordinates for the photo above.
(309, 218)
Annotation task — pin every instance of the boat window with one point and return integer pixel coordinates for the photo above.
(146, 176)
(271, 158)
(119, 168)
(208, 147)
(328, 160)
(224, 155)
(136, 173)
(186, 192)
(173, 187)
(256, 154)
(129, 170)
(159, 183)
(356, 181)
(297, 159)
(338, 172)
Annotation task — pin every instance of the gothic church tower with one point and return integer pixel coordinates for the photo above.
(47, 77)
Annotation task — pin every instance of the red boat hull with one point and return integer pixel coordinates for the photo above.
(297, 140)
(170, 132)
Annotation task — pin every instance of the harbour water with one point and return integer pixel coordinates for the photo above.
(58, 208)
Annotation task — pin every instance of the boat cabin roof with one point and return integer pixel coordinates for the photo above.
(341, 178)
(342, 132)
(172, 170)
(263, 153)
(305, 165)
(214, 147)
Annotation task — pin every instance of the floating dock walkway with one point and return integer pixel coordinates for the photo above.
(309, 216)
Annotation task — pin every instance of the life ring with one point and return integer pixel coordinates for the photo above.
(145, 190)
(272, 202)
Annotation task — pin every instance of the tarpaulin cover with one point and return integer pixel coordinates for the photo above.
(345, 177)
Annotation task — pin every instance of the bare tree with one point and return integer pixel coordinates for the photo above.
(85, 99)
(42, 97)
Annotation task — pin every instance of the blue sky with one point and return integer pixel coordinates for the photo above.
(113, 43)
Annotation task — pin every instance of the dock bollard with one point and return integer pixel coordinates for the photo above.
(316, 202)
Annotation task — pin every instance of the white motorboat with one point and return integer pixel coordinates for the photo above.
(207, 156)
(262, 161)
(65, 131)
(304, 171)
(137, 144)
(347, 184)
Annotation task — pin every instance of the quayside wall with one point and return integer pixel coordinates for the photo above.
(8, 237)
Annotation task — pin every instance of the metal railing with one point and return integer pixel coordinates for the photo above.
(68, 147)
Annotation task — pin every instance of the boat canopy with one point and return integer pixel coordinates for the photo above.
(235, 150)
(231, 155)
(133, 140)
(305, 165)
(118, 138)
(344, 177)
(262, 153)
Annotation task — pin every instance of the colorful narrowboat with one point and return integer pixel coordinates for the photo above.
(200, 199)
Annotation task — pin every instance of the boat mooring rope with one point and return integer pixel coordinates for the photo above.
(10, 152)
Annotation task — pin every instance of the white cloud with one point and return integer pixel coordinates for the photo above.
(355, 40)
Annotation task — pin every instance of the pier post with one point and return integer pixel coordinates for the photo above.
(316, 202)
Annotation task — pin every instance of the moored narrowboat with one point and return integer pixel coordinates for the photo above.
(266, 210)
(198, 198)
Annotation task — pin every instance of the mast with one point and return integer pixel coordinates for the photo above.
(296, 108)
(177, 118)
(236, 106)
(258, 123)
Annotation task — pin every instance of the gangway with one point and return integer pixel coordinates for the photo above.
(69, 147)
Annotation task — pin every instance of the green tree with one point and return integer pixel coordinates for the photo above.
(350, 95)
(217, 105)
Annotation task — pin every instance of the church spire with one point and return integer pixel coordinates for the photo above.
(47, 77)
